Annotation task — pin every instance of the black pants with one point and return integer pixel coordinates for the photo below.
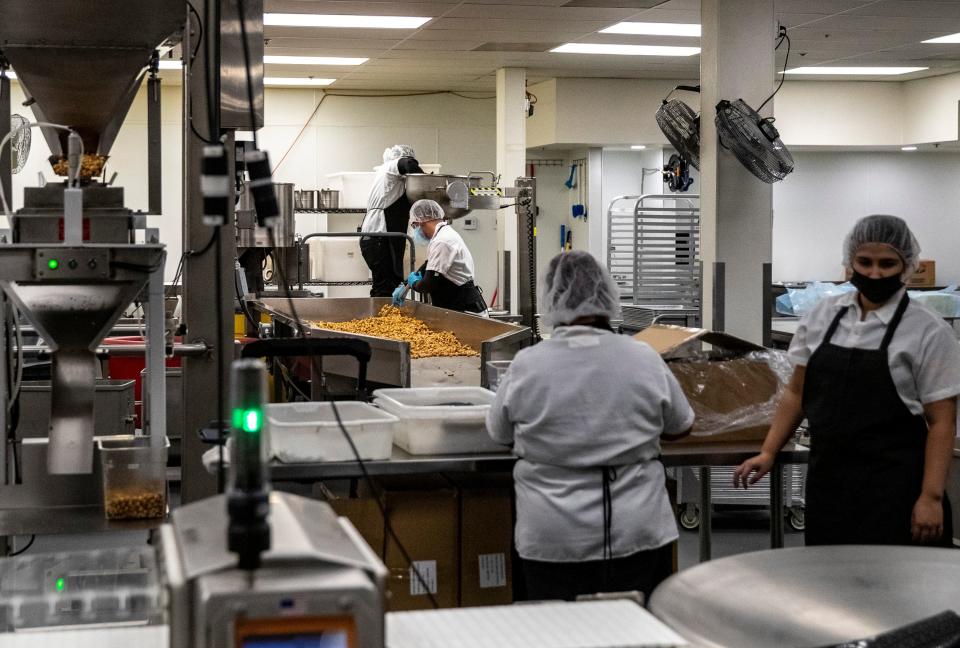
(385, 264)
(642, 571)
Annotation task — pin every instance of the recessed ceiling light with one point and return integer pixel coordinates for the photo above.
(908, 148)
(638, 147)
(855, 71)
(625, 50)
(313, 60)
(653, 29)
(344, 21)
(11, 74)
(170, 64)
(950, 38)
(296, 81)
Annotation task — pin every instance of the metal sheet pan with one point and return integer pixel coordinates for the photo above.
(391, 363)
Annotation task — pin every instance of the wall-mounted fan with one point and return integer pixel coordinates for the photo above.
(753, 139)
(681, 126)
(676, 174)
(19, 143)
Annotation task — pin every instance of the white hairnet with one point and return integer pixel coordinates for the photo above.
(890, 230)
(425, 210)
(397, 151)
(577, 286)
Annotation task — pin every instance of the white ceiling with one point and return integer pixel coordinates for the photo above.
(454, 50)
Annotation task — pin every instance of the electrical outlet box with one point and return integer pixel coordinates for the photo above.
(470, 223)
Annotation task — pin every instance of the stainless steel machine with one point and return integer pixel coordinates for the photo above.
(75, 256)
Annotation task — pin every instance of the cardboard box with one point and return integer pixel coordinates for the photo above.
(365, 515)
(486, 541)
(733, 395)
(426, 523)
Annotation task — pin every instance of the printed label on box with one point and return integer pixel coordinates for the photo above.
(493, 570)
(428, 575)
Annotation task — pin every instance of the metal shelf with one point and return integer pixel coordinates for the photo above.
(337, 283)
(345, 210)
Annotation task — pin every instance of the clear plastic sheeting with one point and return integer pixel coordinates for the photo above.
(945, 303)
(733, 394)
(801, 301)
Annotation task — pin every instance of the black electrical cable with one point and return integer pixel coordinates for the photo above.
(299, 323)
(218, 290)
(783, 75)
(243, 306)
(24, 548)
(196, 48)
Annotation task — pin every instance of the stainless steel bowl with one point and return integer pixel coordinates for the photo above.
(440, 188)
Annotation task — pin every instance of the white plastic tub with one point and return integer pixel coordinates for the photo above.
(440, 420)
(308, 432)
(354, 187)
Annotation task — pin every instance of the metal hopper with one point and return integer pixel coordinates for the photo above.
(391, 363)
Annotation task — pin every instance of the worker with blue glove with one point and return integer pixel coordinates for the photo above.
(447, 276)
(400, 292)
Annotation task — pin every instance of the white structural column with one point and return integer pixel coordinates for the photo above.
(511, 164)
(737, 61)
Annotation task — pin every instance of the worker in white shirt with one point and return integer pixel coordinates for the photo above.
(447, 276)
(585, 412)
(877, 376)
(388, 211)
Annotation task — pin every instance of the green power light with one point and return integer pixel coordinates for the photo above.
(60, 584)
(53, 264)
(248, 420)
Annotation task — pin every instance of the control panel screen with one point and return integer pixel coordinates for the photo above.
(332, 639)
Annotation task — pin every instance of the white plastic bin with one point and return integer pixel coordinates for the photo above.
(496, 369)
(354, 187)
(440, 420)
(308, 432)
(337, 259)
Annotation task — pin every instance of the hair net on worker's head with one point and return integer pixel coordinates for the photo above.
(397, 151)
(425, 210)
(577, 286)
(890, 230)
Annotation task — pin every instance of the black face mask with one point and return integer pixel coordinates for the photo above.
(876, 290)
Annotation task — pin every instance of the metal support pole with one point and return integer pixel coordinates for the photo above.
(7, 446)
(6, 177)
(706, 515)
(776, 506)
(156, 423)
(154, 146)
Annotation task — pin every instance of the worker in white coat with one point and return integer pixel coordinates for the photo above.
(585, 412)
(388, 210)
(877, 377)
(447, 276)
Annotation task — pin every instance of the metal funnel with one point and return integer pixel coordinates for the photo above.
(82, 62)
(73, 317)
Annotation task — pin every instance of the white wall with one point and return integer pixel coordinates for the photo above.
(816, 205)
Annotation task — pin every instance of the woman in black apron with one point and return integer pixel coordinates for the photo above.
(447, 275)
(877, 468)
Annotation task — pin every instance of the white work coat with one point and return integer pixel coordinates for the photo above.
(388, 186)
(448, 255)
(585, 399)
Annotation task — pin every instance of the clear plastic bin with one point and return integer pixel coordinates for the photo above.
(495, 371)
(134, 477)
(440, 420)
(308, 432)
(112, 586)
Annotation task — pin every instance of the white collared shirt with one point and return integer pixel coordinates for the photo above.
(388, 186)
(583, 399)
(449, 256)
(924, 355)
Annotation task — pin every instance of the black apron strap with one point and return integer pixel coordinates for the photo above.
(895, 322)
(834, 324)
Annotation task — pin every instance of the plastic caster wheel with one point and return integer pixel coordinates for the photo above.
(797, 519)
(690, 517)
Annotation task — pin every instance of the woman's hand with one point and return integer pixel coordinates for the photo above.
(751, 470)
(926, 524)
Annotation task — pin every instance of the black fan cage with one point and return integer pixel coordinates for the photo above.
(754, 141)
(681, 126)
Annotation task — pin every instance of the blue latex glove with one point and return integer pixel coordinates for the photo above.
(413, 278)
(398, 295)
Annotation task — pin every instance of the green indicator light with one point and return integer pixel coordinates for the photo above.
(252, 420)
(61, 584)
(237, 418)
(53, 264)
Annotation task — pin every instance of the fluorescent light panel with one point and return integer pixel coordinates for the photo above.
(950, 38)
(855, 71)
(638, 147)
(313, 60)
(344, 21)
(296, 81)
(170, 64)
(908, 148)
(625, 50)
(11, 74)
(654, 29)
